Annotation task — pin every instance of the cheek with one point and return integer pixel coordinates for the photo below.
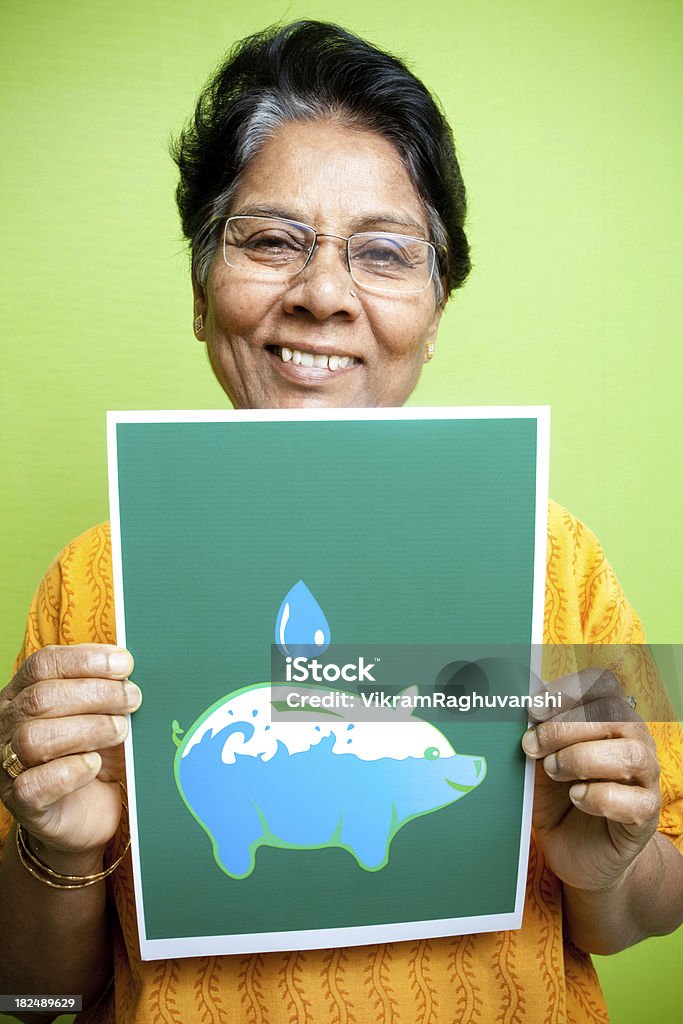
(403, 333)
(225, 316)
(236, 311)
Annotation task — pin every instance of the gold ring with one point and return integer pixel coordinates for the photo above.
(11, 763)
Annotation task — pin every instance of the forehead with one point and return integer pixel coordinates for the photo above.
(332, 176)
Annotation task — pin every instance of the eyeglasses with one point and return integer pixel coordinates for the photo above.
(379, 260)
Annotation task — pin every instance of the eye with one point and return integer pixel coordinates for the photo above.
(272, 242)
(432, 753)
(381, 252)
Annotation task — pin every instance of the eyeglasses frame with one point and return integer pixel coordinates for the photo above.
(342, 238)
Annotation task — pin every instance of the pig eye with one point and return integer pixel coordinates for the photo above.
(431, 753)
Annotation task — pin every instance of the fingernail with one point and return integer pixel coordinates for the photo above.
(120, 663)
(120, 725)
(578, 792)
(550, 764)
(92, 760)
(530, 742)
(133, 695)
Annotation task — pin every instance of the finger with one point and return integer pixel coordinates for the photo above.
(602, 709)
(47, 739)
(628, 805)
(548, 737)
(590, 684)
(74, 661)
(623, 760)
(59, 698)
(37, 789)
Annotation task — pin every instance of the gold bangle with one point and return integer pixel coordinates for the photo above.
(39, 870)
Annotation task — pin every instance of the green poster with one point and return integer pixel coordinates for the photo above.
(293, 585)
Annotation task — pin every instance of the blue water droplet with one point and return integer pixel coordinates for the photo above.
(350, 726)
(317, 728)
(301, 628)
(231, 712)
(266, 728)
(254, 713)
(350, 741)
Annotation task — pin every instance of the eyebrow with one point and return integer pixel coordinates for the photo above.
(376, 220)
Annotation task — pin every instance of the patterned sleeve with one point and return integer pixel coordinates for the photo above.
(73, 604)
(42, 628)
(613, 635)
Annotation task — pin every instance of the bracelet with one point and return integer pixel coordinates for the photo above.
(35, 866)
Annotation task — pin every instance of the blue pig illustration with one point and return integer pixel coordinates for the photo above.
(252, 779)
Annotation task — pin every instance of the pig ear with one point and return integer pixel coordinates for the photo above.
(410, 691)
(405, 711)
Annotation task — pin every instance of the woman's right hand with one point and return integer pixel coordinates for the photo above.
(63, 714)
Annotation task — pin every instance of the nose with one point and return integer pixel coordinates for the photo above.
(324, 288)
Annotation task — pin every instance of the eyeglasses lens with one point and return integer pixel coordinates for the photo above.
(268, 244)
(390, 262)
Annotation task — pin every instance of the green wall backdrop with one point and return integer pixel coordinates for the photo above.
(567, 119)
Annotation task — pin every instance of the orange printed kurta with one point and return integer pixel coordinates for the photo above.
(530, 976)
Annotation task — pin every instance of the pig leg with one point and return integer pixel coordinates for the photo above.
(234, 837)
(365, 833)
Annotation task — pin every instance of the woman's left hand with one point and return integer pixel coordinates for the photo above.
(597, 799)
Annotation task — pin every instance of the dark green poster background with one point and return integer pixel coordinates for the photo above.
(406, 531)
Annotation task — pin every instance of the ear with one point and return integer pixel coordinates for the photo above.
(200, 308)
(431, 333)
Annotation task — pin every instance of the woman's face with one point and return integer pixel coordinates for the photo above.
(338, 180)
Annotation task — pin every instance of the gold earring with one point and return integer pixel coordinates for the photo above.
(199, 324)
(430, 350)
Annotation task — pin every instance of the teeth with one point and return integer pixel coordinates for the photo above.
(299, 358)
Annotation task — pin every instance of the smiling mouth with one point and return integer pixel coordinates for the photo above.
(313, 360)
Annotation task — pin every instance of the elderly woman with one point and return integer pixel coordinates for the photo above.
(324, 206)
